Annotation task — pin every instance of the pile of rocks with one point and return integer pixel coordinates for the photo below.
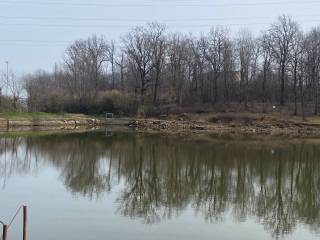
(256, 126)
(166, 125)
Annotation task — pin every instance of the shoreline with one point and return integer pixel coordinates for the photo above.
(249, 127)
(246, 124)
(63, 121)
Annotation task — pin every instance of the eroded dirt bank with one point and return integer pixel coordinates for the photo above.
(233, 124)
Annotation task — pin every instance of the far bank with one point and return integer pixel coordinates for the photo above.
(40, 119)
(242, 123)
(231, 123)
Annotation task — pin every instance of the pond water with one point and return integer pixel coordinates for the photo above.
(117, 185)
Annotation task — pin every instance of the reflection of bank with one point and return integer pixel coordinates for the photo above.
(162, 176)
(109, 132)
(16, 158)
(3, 166)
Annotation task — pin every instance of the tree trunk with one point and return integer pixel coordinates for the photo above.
(282, 84)
(0, 99)
(216, 90)
(156, 86)
(264, 110)
(295, 89)
(316, 96)
(246, 93)
(121, 74)
(113, 77)
(302, 99)
(226, 92)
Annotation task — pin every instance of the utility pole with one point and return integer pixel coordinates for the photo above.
(7, 84)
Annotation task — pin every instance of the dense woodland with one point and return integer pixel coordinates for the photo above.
(152, 71)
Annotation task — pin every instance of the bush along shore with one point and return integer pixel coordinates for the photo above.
(229, 124)
(16, 120)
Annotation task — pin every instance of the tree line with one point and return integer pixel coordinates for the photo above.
(153, 71)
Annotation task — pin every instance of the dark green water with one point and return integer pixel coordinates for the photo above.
(97, 185)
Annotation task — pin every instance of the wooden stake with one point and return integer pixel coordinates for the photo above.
(4, 232)
(25, 221)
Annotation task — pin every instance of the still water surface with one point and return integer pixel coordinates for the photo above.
(140, 186)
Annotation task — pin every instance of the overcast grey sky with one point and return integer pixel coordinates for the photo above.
(35, 33)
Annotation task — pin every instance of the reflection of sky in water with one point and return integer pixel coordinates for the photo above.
(54, 212)
(57, 211)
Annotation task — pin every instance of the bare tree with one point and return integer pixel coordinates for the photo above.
(247, 61)
(177, 51)
(312, 47)
(84, 63)
(228, 69)
(197, 67)
(213, 53)
(1, 87)
(16, 88)
(158, 55)
(297, 51)
(265, 46)
(122, 66)
(138, 48)
(111, 53)
(283, 33)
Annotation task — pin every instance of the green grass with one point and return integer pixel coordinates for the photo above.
(40, 115)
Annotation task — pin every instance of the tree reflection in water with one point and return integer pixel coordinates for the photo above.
(277, 183)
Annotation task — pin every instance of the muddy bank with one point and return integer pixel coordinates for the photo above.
(49, 123)
(223, 126)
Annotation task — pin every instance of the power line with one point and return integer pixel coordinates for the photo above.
(45, 25)
(145, 20)
(32, 41)
(31, 45)
(166, 4)
(63, 43)
(123, 26)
